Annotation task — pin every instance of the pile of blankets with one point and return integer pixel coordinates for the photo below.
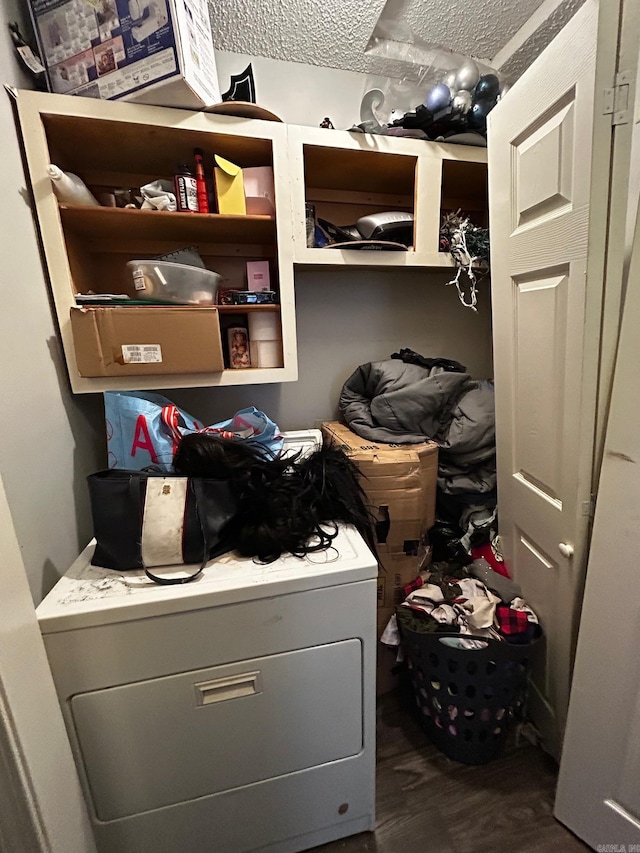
(408, 399)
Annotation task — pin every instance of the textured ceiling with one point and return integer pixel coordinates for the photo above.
(520, 59)
(335, 33)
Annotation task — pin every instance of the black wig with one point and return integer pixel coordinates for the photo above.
(285, 504)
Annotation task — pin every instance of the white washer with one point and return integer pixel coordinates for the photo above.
(233, 713)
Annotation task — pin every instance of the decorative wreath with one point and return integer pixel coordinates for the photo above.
(469, 248)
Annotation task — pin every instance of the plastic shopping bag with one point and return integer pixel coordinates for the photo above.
(144, 429)
(254, 427)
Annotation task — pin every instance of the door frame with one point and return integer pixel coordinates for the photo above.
(621, 29)
(623, 224)
(42, 809)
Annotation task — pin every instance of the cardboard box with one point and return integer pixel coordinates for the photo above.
(395, 572)
(399, 481)
(138, 341)
(258, 277)
(146, 51)
(259, 192)
(229, 187)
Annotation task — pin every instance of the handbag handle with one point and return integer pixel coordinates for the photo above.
(196, 485)
(170, 581)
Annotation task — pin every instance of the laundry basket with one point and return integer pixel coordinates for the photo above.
(466, 697)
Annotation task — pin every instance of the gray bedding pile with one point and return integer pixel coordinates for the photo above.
(396, 402)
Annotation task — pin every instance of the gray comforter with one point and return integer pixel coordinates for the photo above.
(390, 401)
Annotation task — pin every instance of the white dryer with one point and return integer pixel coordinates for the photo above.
(233, 713)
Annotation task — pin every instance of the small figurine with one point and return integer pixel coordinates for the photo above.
(239, 347)
(326, 122)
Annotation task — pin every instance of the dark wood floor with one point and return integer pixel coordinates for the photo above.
(427, 803)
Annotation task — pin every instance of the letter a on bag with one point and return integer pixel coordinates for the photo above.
(142, 431)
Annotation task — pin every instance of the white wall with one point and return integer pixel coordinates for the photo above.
(298, 93)
(49, 440)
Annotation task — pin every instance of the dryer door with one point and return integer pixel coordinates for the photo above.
(167, 740)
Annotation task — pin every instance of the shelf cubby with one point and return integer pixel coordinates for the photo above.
(117, 145)
(347, 175)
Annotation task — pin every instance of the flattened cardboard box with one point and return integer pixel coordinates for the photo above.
(400, 478)
(139, 341)
(395, 572)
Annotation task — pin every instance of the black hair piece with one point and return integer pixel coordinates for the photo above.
(285, 504)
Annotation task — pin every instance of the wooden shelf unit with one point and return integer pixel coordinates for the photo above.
(247, 309)
(124, 145)
(347, 175)
(113, 223)
(344, 175)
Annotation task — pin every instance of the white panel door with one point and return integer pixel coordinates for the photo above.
(545, 145)
(598, 793)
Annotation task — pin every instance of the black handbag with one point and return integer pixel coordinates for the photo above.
(146, 519)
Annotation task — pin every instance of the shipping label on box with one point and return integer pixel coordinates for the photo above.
(121, 48)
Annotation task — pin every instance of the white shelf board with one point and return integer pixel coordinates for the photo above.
(367, 258)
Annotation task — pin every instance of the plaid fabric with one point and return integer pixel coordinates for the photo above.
(511, 621)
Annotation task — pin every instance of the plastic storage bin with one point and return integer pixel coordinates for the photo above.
(179, 283)
(466, 697)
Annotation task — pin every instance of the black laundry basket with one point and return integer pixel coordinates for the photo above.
(466, 697)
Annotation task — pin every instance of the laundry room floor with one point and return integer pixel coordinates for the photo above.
(427, 803)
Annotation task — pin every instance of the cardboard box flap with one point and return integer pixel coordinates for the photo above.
(364, 450)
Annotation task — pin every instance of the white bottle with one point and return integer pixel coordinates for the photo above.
(69, 188)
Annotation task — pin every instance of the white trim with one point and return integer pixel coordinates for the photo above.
(21, 827)
(45, 810)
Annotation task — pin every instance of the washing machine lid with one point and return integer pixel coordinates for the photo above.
(89, 595)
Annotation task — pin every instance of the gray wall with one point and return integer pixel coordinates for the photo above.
(49, 440)
(347, 318)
